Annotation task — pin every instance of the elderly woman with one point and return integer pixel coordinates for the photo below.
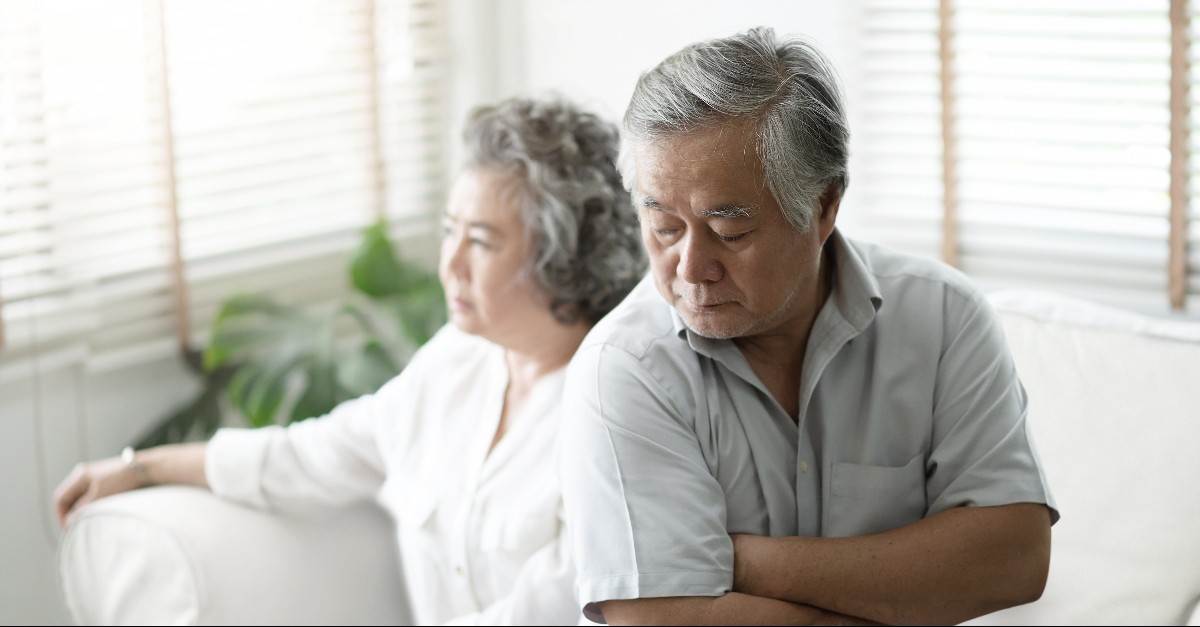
(539, 242)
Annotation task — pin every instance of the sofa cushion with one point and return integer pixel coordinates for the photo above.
(1115, 414)
(176, 555)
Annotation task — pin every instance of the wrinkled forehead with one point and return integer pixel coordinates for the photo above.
(730, 143)
(714, 158)
(486, 194)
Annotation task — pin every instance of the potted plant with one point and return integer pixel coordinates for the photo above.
(277, 364)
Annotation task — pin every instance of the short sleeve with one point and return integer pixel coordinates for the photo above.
(982, 451)
(646, 517)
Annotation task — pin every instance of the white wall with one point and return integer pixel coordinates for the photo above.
(595, 50)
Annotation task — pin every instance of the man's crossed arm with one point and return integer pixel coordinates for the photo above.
(945, 569)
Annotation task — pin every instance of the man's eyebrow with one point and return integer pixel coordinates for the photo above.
(723, 211)
(650, 203)
(729, 211)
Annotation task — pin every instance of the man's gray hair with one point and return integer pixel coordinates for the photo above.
(587, 246)
(788, 87)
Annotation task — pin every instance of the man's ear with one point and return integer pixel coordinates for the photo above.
(830, 202)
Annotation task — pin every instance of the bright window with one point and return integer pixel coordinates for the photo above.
(157, 157)
(1052, 166)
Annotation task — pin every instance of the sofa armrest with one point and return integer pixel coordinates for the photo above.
(180, 555)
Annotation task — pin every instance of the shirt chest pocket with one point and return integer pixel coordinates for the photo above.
(866, 499)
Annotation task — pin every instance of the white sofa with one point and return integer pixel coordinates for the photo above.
(177, 555)
(1115, 413)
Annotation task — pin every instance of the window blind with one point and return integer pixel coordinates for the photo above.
(1058, 141)
(896, 163)
(157, 157)
(1190, 233)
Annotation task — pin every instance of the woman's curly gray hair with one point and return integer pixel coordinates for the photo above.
(587, 247)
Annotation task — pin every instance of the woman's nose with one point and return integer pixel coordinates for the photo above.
(454, 258)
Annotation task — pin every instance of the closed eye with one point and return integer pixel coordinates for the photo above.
(729, 239)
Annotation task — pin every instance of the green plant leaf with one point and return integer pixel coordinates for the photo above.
(229, 345)
(320, 394)
(264, 393)
(420, 312)
(320, 366)
(250, 324)
(375, 324)
(367, 369)
(375, 269)
(239, 388)
(247, 304)
(258, 391)
(258, 347)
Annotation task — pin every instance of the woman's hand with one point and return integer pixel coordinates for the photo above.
(172, 463)
(90, 481)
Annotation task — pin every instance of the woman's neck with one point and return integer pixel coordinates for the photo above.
(550, 350)
(547, 353)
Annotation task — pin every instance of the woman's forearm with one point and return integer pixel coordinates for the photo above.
(175, 463)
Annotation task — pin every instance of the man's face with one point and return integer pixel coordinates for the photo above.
(720, 248)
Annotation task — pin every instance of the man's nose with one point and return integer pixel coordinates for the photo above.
(697, 261)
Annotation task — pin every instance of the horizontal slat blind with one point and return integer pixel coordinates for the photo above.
(898, 143)
(1061, 131)
(273, 137)
(83, 237)
(292, 125)
(1064, 129)
(1192, 233)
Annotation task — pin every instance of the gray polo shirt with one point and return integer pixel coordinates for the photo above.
(909, 405)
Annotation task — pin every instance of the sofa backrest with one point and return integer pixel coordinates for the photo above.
(1115, 415)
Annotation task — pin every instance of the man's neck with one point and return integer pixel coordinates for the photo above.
(778, 357)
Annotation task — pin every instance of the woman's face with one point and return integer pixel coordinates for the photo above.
(484, 256)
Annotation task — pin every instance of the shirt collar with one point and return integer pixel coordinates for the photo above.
(855, 291)
(855, 295)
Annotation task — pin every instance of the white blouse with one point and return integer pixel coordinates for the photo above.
(481, 535)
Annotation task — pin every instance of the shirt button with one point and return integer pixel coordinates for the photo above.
(804, 465)
(458, 570)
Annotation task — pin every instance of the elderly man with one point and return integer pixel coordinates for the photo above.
(782, 425)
